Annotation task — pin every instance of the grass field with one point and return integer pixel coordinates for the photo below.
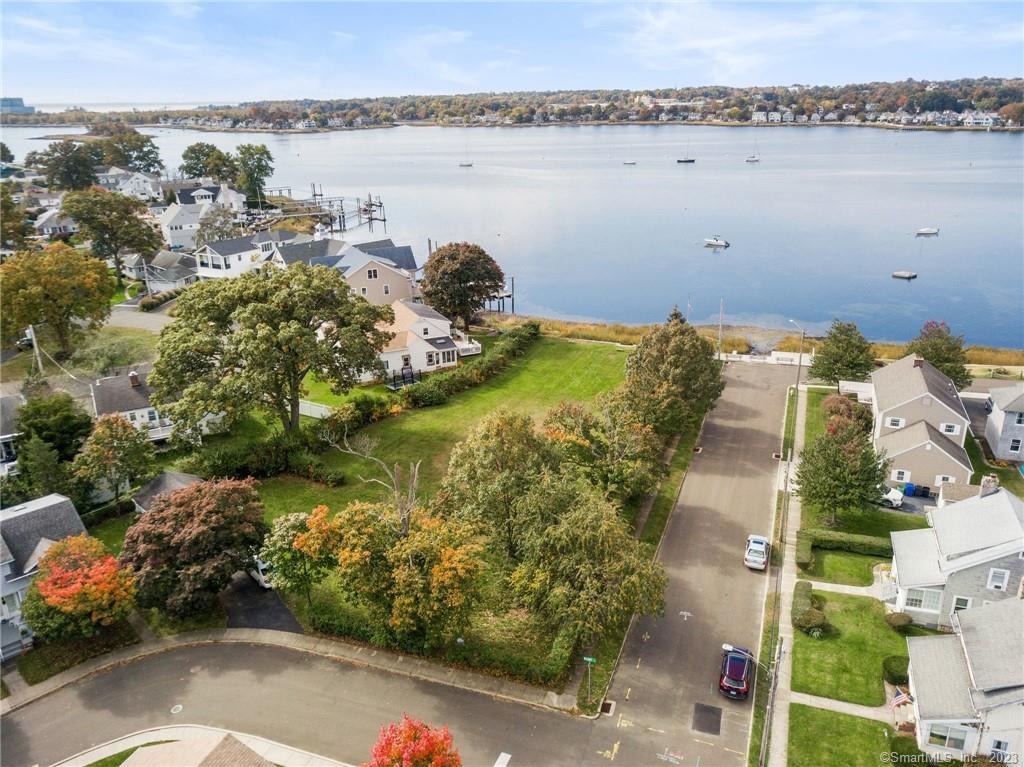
(1011, 479)
(841, 567)
(19, 365)
(814, 426)
(846, 663)
(49, 658)
(818, 737)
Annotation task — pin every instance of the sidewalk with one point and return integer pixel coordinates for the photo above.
(346, 652)
(878, 713)
(278, 753)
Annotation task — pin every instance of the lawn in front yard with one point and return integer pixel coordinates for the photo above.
(841, 567)
(870, 520)
(846, 662)
(142, 343)
(814, 425)
(818, 737)
(49, 658)
(1010, 478)
(111, 531)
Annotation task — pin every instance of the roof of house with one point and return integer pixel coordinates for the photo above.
(941, 680)
(22, 528)
(374, 244)
(978, 523)
(913, 377)
(1009, 398)
(956, 491)
(441, 342)
(9, 407)
(399, 340)
(993, 640)
(212, 750)
(279, 235)
(117, 395)
(164, 482)
(232, 246)
(52, 217)
(304, 251)
(422, 310)
(187, 196)
(183, 214)
(916, 556)
(918, 433)
(400, 255)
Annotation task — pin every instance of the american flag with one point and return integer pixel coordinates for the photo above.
(899, 699)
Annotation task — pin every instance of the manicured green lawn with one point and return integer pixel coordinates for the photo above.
(128, 290)
(846, 663)
(163, 624)
(841, 567)
(320, 391)
(46, 659)
(814, 425)
(1011, 479)
(871, 520)
(818, 737)
(789, 431)
(18, 366)
(116, 760)
(111, 531)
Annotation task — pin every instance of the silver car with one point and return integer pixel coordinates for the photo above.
(757, 553)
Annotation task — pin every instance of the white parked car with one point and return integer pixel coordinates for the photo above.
(261, 572)
(891, 497)
(756, 555)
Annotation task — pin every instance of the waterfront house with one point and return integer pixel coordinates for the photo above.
(110, 176)
(802, 118)
(26, 532)
(421, 342)
(53, 223)
(237, 255)
(167, 270)
(787, 116)
(9, 433)
(759, 117)
(970, 556)
(380, 271)
(1004, 428)
(179, 224)
(222, 195)
(774, 117)
(144, 187)
(967, 688)
(164, 483)
(816, 117)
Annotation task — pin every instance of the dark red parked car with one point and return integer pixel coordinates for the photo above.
(734, 681)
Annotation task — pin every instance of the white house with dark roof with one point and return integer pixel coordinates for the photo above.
(144, 187)
(9, 407)
(968, 687)
(1004, 429)
(972, 554)
(26, 532)
(246, 253)
(222, 195)
(180, 223)
(52, 222)
(130, 397)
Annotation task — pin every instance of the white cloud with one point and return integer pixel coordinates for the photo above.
(343, 38)
(428, 51)
(184, 10)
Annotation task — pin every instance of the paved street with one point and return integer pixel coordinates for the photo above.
(669, 664)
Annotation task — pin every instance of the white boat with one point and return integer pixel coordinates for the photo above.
(928, 231)
(465, 165)
(629, 162)
(756, 156)
(903, 274)
(716, 242)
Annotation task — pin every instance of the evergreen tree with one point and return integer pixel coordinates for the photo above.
(845, 355)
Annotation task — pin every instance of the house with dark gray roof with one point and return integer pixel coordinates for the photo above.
(164, 483)
(9, 407)
(422, 341)
(967, 688)
(237, 255)
(1004, 428)
(222, 194)
(130, 397)
(26, 532)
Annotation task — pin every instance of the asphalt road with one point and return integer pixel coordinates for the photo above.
(669, 663)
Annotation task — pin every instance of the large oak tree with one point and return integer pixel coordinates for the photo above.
(250, 342)
(458, 278)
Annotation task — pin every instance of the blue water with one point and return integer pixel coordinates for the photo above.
(817, 227)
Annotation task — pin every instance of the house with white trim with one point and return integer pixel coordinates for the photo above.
(222, 195)
(421, 342)
(129, 396)
(27, 531)
(140, 186)
(972, 554)
(1004, 428)
(237, 255)
(52, 222)
(967, 688)
(180, 223)
(9, 433)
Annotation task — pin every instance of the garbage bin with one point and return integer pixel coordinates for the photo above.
(909, 489)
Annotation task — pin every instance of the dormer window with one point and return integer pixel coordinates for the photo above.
(426, 331)
(894, 423)
(266, 247)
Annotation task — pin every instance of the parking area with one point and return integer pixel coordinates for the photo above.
(250, 607)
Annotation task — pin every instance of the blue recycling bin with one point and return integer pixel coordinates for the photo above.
(909, 489)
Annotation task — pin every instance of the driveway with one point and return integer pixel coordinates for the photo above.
(250, 607)
(123, 316)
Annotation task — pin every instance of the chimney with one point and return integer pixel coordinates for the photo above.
(133, 378)
(989, 485)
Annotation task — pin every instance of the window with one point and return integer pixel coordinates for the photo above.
(924, 599)
(371, 274)
(386, 365)
(940, 478)
(448, 356)
(947, 737)
(894, 423)
(131, 417)
(950, 428)
(900, 475)
(961, 603)
(1020, 419)
(431, 358)
(1000, 750)
(998, 579)
(266, 247)
(387, 290)
(362, 291)
(1014, 445)
(426, 332)
(151, 415)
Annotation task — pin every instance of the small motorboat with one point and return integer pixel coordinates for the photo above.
(903, 274)
(928, 231)
(465, 165)
(753, 158)
(629, 162)
(687, 160)
(716, 242)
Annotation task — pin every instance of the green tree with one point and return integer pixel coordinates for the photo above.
(200, 160)
(40, 472)
(844, 355)
(294, 569)
(190, 543)
(671, 376)
(58, 287)
(251, 341)
(14, 226)
(57, 420)
(113, 222)
(937, 344)
(840, 470)
(489, 473)
(115, 455)
(255, 166)
(133, 151)
(68, 165)
(458, 278)
(586, 571)
(217, 224)
(6, 155)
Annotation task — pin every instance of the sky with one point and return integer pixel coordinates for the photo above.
(226, 52)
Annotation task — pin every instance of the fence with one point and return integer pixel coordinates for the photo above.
(314, 410)
(775, 358)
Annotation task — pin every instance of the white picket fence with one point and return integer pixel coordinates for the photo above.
(314, 409)
(775, 358)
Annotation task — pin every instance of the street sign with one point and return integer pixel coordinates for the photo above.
(588, 659)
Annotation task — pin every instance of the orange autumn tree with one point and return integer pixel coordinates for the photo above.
(412, 743)
(79, 588)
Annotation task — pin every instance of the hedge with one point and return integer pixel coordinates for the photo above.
(806, 613)
(802, 600)
(149, 303)
(437, 388)
(804, 552)
(894, 669)
(857, 544)
(279, 453)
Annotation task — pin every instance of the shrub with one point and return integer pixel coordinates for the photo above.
(898, 621)
(856, 544)
(804, 549)
(894, 669)
(329, 619)
(810, 620)
(802, 597)
(149, 303)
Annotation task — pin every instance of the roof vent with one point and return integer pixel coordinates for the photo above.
(133, 378)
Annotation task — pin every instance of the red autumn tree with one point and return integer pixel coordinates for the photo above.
(412, 743)
(79, 588)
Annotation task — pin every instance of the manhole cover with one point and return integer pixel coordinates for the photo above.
(776, 456)
(176, 709)
(608, 707)
(707, 719)
(697, 449)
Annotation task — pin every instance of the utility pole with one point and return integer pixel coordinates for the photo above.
(35, 348)
(513, 295)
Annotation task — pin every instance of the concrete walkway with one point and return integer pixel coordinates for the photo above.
(841, 588)
(286, 756)
(345, 652)
(878, 713)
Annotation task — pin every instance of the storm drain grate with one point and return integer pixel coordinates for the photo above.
(707, 719)
(777, 456)
(697, 449)
(608, 707)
